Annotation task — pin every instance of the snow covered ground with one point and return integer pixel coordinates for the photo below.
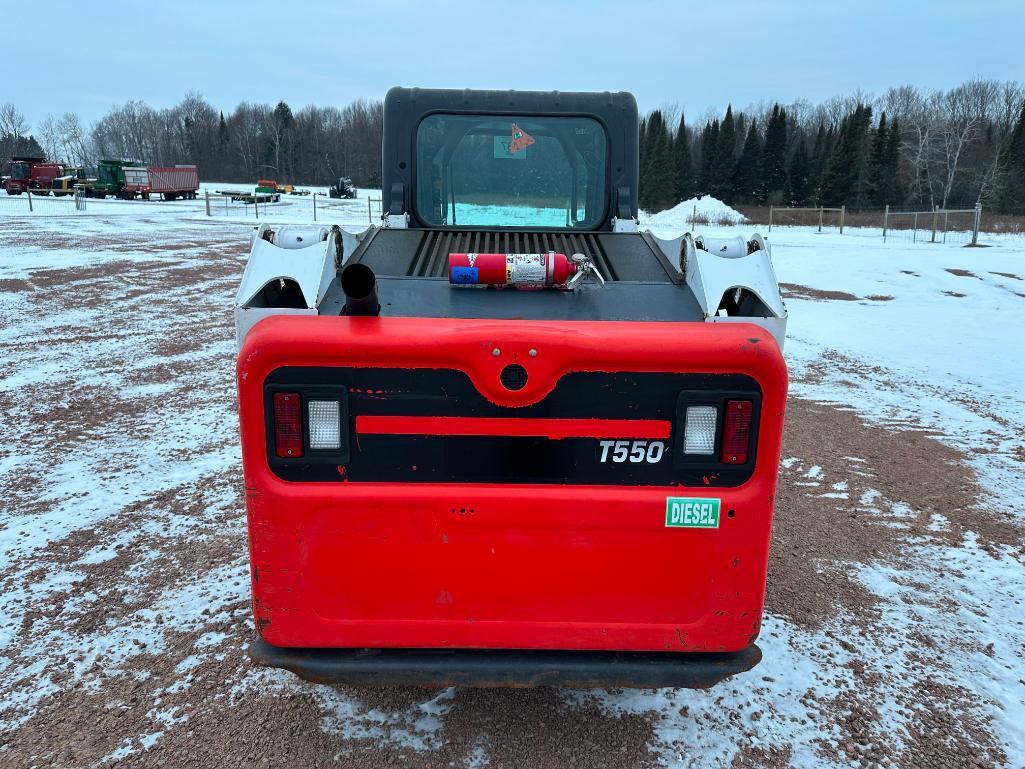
(894, 632)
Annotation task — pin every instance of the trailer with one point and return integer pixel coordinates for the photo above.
(505, 437)
(180, 181)
(245, 196)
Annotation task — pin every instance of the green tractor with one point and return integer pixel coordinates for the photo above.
(110, 178)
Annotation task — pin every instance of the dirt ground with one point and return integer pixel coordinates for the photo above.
(125, 582)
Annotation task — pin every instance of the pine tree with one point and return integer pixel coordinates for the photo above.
(844, 181)
(774, 155)
(878, 172)
(642, 147)
(651, 133)
(709, 139)
(657, 171)
(896, 191)
(820, 160)
(1013, 199)
(722, 168)
(746, 175)
(661, 174)
(683, 181)
(797, 188)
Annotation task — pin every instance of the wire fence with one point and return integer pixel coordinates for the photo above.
(938, 225)
(941, 225)
(34, 203)
(315, 207)
(825, 217)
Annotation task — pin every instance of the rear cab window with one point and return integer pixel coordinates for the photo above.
(510, 171)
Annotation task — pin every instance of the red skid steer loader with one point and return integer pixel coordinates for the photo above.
(505, 437)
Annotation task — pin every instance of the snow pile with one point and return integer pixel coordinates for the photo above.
(706, 209)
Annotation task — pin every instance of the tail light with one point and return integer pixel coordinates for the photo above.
(325, 425)
(288, 428)
(736, 432)
(699, 429)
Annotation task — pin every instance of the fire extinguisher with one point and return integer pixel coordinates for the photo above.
(518, 270)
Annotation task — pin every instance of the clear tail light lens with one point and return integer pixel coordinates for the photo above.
(288, 428)
(736, 432)
(325, 424)
(699, 430)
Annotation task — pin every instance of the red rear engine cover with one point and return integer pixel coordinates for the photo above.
(350, 563)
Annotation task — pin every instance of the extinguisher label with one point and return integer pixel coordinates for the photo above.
(464, 275)
(525, 269)
(694, 513)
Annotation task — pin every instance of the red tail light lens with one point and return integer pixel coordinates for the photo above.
(288, 427)
(736, 432)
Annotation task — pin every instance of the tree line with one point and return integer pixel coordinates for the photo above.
(906, 148)
(313, 145)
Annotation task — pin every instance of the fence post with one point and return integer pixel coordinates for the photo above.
(694, 217)
(946, 216)
(820, 218)
(256, 204)
(770, 215)
(935, 215)
(978, 221)
(370, 212)
(886, 220)
(29, 193)
(914, 232)
(843, 215)
(314, 206)
(206, 194)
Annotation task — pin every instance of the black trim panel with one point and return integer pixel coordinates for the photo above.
(503, 459)
(506, 667)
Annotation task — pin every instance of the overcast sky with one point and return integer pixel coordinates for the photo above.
(699, 54)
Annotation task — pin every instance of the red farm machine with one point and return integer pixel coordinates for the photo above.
(506, 437)
(32, 174)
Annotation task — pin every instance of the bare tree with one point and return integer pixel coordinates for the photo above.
(12, 122)
(49, 138)
(73, 139)
(960, 112)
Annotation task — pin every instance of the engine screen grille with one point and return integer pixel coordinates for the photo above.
(431, 258)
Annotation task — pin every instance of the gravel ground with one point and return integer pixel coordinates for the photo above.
(124, 609)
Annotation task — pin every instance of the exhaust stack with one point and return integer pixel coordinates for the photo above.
(359, 284)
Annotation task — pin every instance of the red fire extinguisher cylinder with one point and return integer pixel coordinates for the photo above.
(518, 270)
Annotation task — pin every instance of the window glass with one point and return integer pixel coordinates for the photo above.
(510, 171)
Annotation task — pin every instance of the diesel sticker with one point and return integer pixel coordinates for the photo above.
(692, 512)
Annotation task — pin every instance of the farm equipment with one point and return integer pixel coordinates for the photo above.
(21, 173)
(127, 179)
(247, 197)
(505, 437)
(343, 189)
(72, 178)
(136, 182)
(110, 178)
(33, 175)
(174, 182)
